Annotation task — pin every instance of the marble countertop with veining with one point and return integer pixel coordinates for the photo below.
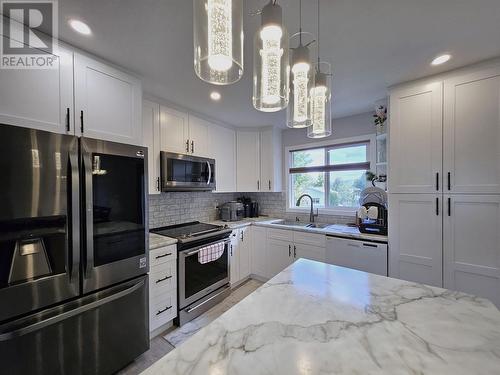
(244, 222)
(157, 240)
(315, 318)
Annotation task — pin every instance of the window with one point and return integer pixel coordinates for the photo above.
(333, 176)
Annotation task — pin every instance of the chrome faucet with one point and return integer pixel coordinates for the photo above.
(312, 215)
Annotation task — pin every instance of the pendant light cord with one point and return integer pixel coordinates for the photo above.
(300, 22)
(318, 35)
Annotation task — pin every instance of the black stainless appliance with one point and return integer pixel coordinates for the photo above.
(373, 199)
(73, 259)
(186, 172)
(232, 211)
(200, 285)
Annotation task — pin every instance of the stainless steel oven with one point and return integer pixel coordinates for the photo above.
(201, 285)
(186, 173)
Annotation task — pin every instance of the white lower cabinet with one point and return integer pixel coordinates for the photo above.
(239, 255)
(415, 237)
(471, 235)
(162, 286)
(279, 256)
(258, 256)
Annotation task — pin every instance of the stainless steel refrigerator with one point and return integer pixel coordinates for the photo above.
(73, 254)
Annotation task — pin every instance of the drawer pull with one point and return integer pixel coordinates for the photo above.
(165, 309)
(369, 245)
(165, 278)
(163, 255)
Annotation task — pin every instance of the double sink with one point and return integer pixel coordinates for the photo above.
(303, 225)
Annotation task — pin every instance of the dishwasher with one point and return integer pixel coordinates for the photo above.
(361, 255)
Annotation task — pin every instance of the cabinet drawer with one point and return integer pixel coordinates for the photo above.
(162, 309)
(163, 278)
(309, 239)
(280, 234)
(162, 255)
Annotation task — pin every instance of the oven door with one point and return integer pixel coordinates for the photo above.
(114, 186)
(186, 173)
(196, 280)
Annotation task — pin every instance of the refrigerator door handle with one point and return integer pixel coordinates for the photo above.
(68, 314)
(88, 214)
(73, 180)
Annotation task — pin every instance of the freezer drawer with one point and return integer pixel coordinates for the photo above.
(360, 255)
(97, 334)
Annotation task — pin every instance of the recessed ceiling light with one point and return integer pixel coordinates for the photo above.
(80, 27)
(214, 95)
(441, 59)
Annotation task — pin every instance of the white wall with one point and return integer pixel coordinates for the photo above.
(345, 127)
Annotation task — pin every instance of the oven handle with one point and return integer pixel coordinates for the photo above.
(189, 309)
(209, 173)
(192, 252)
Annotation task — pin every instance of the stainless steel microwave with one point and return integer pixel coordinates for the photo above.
(186, 173)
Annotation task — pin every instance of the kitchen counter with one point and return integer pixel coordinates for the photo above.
(317, 318)
(245, 222)
(156, 241)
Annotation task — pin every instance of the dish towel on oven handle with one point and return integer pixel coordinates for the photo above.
(211, 253)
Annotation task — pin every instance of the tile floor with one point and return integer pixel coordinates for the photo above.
(164, 343)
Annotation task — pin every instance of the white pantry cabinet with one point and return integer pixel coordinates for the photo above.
(471, 235)
(39, 98)
(151, 139)
(222, 148)
(415, 143)
(248, 161)
(472, 132)
(108, 102)
(415, 242)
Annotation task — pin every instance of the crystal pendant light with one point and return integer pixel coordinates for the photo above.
(271, 65)
(298, 114)
(218, 40)
(320, 101)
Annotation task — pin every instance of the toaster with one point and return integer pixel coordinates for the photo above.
(232, 211)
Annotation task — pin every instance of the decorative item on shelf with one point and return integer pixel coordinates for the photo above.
(218, 40)
(320, 100)
(271, 64)
(380, 117)
(301, 81)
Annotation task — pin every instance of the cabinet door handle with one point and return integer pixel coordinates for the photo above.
(242, 236)
(294, 251)
(231, 250)
(269, 185)
(449, 181)
(67, 119)
(192, 147)
(437, 206)
(437, 181)
(163, 279)
(187, 145)
(449, 206)
(81, 121)
(162, 311)
(258, 185)
(289, 250)
(163, 255)
(158, 183)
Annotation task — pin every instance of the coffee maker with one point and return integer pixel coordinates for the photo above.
(372, 213)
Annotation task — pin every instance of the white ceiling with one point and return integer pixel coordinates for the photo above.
(372, 44)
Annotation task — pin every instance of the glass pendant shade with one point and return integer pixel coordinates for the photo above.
(271, 65)
(301, 82)
(218, 40)
(320, 103)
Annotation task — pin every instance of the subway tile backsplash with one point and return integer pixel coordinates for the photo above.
(180, 207)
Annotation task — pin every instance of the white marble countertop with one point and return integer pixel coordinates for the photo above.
(245, 222)
(315, 318)
(157, 240)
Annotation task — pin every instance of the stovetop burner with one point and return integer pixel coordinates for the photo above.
(188, 231)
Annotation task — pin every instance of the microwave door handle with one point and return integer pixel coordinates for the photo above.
(209, 173)
(73, 180)
(88, 214)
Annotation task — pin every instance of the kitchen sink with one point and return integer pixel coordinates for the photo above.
(303, 225)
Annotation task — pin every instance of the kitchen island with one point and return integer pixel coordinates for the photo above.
(315, 318)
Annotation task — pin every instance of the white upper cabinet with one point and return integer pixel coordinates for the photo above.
(248, 161)
(222, 148)
(151, 139)
(415, 139)
(472, 245)
(415, 237)
(472, 132)
(39, 98)
(198, 136)
(108, 102)
(174, 131)
(270, 160)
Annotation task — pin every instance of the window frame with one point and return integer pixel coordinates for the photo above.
(369, 140)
